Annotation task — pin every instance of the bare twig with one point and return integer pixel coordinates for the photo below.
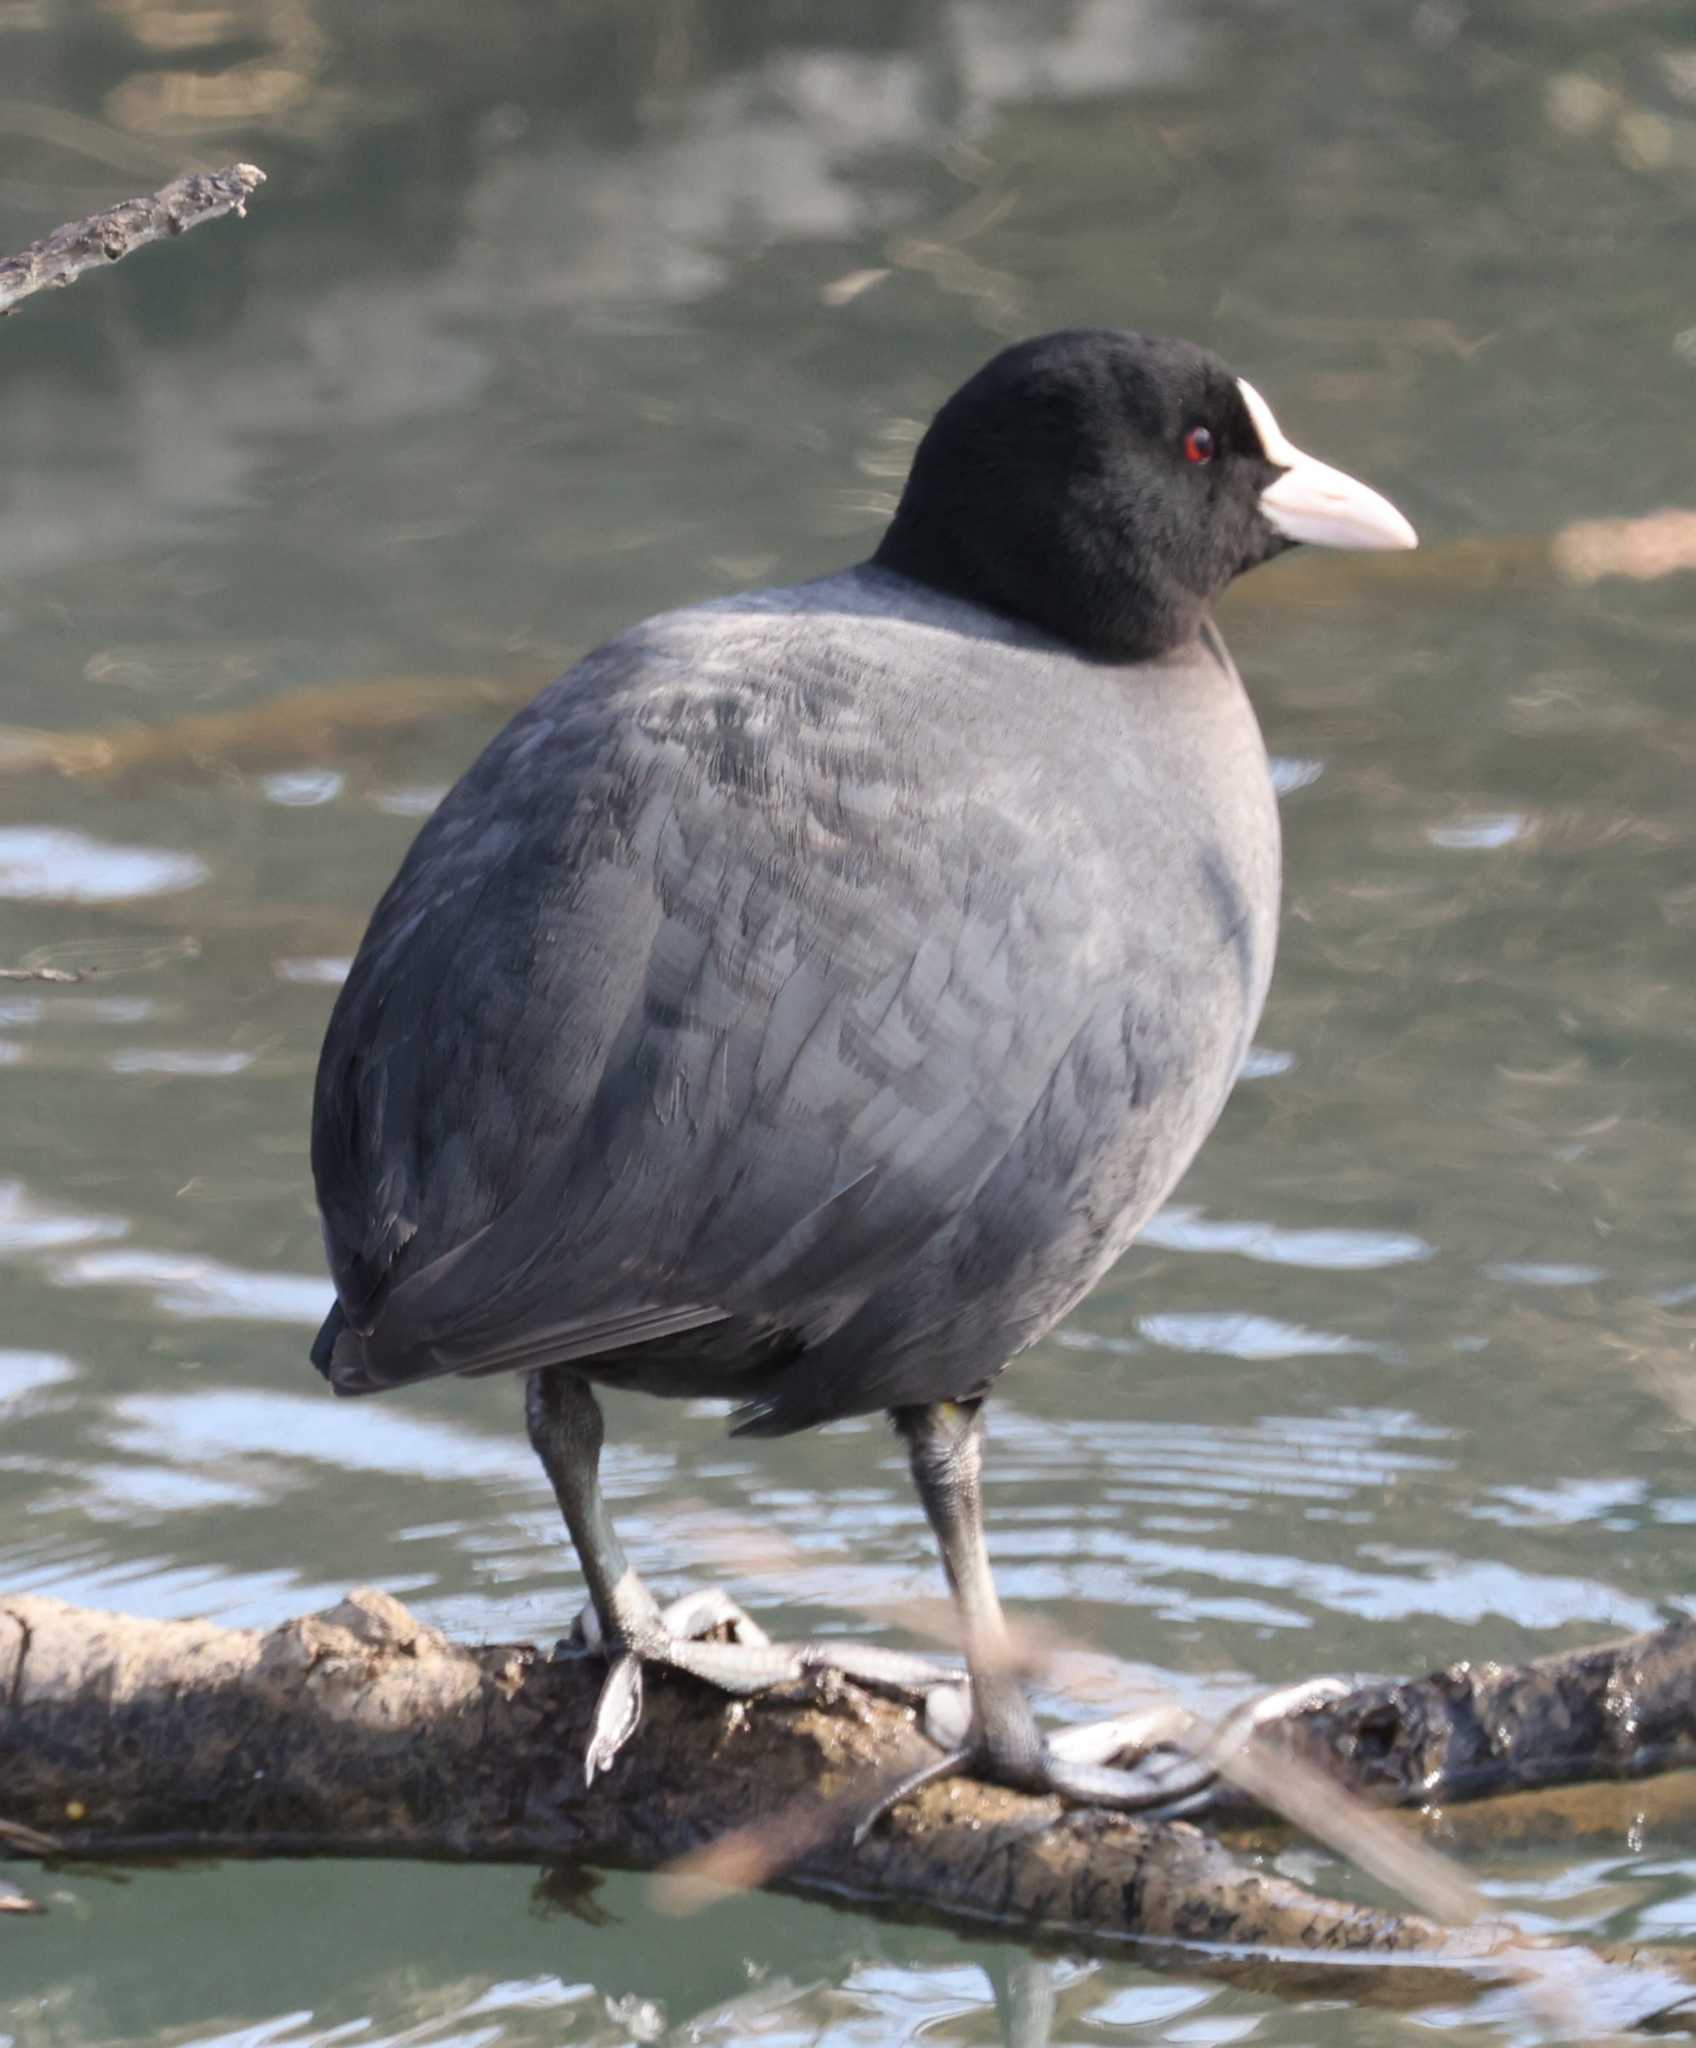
(61, 257)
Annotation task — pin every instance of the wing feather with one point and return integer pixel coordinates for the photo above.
(714, 992)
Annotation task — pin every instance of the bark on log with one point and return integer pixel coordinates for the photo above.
(61, 257)
(1618, 1711)
(361, 1731)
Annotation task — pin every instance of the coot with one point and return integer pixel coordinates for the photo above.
(805, 999)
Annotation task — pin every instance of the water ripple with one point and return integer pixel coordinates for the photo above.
(1334, 1249)
(229, 1422)
(53, 864)
(322, 971)
(198, 1289)
(162, 1059)
(1547, 1273)
(1290, 774)
(1230, 1335)
(409, 803)
(28, 1224)
(26, 1372)
(1422, 1585)
(1483, 833)
(303, 789)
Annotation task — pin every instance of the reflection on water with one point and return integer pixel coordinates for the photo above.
(199, 1288)
(1181, 1228)
(23, 1372)
(510, 1970)
(68, 867)
(29, 1224)
(554, 318)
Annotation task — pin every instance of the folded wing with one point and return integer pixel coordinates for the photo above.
(695, 1011)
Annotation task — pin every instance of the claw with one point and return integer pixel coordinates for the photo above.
(617, 1713)
(681, 1638)
(953, 1763)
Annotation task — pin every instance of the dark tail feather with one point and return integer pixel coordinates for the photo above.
(347, 1373)
(324, 1344)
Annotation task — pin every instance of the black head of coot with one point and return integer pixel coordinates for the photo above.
(1104, 486)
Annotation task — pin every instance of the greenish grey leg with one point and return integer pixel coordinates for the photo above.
(945, 1446)
(566, 1432)
(1001, 1739)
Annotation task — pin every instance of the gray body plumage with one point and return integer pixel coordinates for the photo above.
(803, 1001)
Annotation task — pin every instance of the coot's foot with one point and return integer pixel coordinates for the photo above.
(706, 1634)
(1148, 1763)
(711, 1637)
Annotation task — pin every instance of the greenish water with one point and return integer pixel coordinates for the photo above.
(551, 317)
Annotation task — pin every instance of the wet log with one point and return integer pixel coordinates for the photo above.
(361, 1731)
(61, 257)
(1622, 1710)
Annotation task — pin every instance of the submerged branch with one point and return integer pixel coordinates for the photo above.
(300, 725)
(315, 723)
(361, 1731)
(61, 257)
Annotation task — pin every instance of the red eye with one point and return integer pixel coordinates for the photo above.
(1198, 444)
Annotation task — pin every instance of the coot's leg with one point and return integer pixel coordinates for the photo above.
(1003, 1742)
(566, 1432)
(945, 1444)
